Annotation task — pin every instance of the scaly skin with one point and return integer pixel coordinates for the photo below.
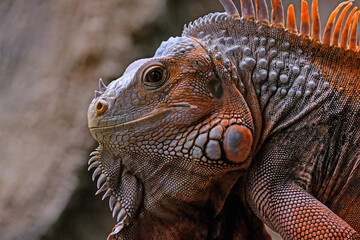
(233, 115)
(163, 147)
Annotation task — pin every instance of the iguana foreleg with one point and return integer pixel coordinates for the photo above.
(287, 208)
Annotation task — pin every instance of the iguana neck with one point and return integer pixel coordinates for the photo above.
(279, 74)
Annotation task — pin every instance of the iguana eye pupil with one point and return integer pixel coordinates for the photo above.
(155, 76)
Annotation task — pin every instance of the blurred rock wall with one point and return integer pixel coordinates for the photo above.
(51, 55)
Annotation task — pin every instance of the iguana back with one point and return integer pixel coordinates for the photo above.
(236, 114)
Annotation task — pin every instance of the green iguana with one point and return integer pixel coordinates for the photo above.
(241, 121)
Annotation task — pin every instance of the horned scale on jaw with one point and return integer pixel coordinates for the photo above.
(177, 133)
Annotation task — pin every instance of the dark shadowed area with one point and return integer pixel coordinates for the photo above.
(51, 56)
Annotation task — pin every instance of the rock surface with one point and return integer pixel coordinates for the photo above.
(51, 54)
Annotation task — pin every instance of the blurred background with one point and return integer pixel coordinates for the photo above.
(52, 54)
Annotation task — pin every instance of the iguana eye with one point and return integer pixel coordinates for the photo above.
(154, 76)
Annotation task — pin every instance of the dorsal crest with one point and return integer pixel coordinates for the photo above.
(259, 12)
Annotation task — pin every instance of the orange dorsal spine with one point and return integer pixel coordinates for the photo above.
(353, 33)
(247, 9)
(336, 35)
(305, 19)
(262, 12)
(347, 39)
(316, 28)
(345, 33)
(291, 21)
(330, 24)
(277, 14)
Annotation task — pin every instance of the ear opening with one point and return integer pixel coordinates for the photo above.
(215, 87)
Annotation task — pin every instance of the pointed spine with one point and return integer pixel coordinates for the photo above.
(102, 85)
(95, 173)
(305, 19)
(93, 153)
(94, 164)
(353, 33)
(316, 27)
(112, 200)
(116, 208)
(291, 21)
(97, 94)
(262, 11)
(247, 9)
(277, 14)
(93, 159)
(100, 180)
(346, 30)
(104, 187)
(336, 35)
(230, 8)
(121, 215)
(107, 194)
(330, 24)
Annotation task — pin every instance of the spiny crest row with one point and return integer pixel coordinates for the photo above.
(347, 40)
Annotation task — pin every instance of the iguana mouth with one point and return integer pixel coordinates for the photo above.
(123, 188)
(159, 112)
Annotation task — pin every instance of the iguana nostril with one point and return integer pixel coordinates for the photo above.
(100, 107)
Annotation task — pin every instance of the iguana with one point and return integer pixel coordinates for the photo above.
(241, 121)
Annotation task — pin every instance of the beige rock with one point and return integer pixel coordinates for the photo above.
(51, 54)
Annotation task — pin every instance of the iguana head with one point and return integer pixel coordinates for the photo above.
(168, 130)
